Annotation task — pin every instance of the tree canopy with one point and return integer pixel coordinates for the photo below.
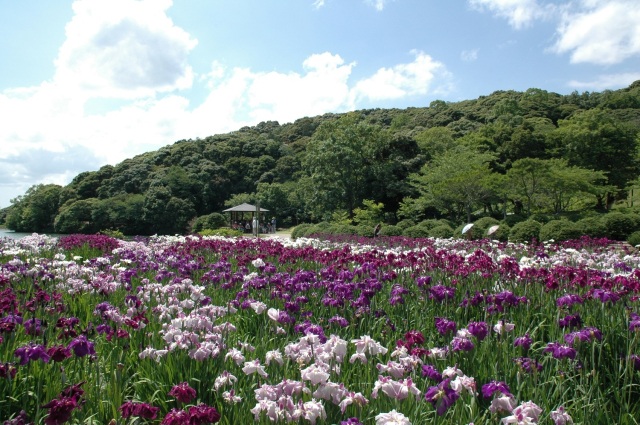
(528, 152)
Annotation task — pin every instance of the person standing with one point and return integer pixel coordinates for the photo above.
(273, 224)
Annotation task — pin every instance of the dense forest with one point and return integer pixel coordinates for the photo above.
(510, 153)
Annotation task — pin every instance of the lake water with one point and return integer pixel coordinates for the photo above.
(4, 233)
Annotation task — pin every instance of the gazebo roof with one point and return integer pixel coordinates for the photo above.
(244, 208)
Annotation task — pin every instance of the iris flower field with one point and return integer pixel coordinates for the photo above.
(198, 330)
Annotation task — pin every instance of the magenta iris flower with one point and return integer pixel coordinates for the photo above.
(183, 392)
(141, 410)
(176, 417)
(203, 414)
(351, 421)
(59, 352)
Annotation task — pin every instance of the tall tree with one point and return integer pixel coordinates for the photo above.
(596, 140)
(456, 182)
(36, 210)
(338, 162)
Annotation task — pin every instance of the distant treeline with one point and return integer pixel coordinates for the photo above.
(523, 153)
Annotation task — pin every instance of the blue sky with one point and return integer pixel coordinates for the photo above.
(86, 83)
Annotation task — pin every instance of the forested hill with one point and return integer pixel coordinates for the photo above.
(526, 152)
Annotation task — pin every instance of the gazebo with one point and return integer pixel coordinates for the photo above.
(237, 213)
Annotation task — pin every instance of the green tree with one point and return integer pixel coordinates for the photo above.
(456, 182)
(551, 185)
(338, 161)
(370, 214)
(76, 217)
(36, 210)
(166, 214)
(596, 140)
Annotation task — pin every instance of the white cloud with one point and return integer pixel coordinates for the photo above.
(129, 53)
(403, 80)
(606, 82)
(601, 32)
(519, 13)
(318, 3)
(378, 4)
(469, 55)
(124, 48)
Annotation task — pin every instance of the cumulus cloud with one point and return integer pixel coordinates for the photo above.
(404, 80)
(128, 53)
(606, 82)
(124, 48)
(519, 13)
(600, 32)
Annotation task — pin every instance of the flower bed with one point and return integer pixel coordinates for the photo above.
(193, 330)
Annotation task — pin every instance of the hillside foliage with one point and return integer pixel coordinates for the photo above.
(508, 153)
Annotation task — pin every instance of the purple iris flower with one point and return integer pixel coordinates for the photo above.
(81, 346)
(33, 326)
(444, 326)
(523, 341)
(441, 396)
(495, 386)
(634, 324)
(528, 365)
(559, 351)
(570, 321)
(30, 352)
(583, 335)
(441, 293)
(461, 344)
(428, 371)
(478, 329)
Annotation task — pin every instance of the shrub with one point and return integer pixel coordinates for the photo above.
(472, 233)
(390, 230)
(416, 232)
(512, 219)
(540, 218)
(209, 221)
(525, 231)
(430, 223)
(113, 233)
(341, 229)
(592, 226)
(364, 230)
(559, 230)
(634, 238)
(442, 231)
(300, 230)
(405, 224)
(502, 234)
(482, 225)
(619, 225)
